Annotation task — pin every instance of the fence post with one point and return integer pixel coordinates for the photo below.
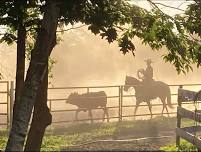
(87, 90)
(122, 95)
(8, 109)
(178, 118)
(11, 103)
(120, 102)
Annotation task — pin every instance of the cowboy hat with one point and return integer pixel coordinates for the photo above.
(148, 61)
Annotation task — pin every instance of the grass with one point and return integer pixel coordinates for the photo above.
(3, 138)
(185, 146)
(64, 136)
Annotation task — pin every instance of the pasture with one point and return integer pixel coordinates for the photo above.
(86, 136)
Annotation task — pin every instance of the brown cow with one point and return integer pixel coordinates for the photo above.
(89, 101)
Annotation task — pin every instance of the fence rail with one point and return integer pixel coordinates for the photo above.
(188, 133)
(5, 102)
(120, 107)
(120, 98)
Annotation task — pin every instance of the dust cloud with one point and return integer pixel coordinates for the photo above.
(87, 60)
(84, 59)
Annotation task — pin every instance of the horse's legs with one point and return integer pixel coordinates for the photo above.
(149, 105)
(163, 109)
(104, 114)
(76, 114)
(164, 106)
(167, 110)
(136, 107)
(90, 115)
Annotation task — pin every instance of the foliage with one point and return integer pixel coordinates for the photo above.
(155, 28)
(3, 141)
(13, 13)
(176, 33)
(3, 138)
(105, 18)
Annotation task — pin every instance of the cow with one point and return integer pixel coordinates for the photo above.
(88, 101)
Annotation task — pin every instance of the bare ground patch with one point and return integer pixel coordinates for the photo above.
(124, 137)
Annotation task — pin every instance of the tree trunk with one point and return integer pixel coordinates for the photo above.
(20, 69)
(35, 76)
(41, 119)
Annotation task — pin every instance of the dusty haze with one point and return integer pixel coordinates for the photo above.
(84, 59)
(87, 60)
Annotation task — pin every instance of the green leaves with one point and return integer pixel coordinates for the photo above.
(8, 38)
(177, 34)
(110, 34)
(193, 18)
(126, 45)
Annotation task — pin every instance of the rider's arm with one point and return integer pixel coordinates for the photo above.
(142, 71)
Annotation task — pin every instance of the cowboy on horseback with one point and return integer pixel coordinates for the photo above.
(147, 74)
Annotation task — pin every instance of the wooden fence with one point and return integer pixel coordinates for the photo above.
(188, 133)
(119, 97)
(6, 97)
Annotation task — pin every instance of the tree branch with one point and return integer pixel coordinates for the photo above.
(72, 28)
(154, 5)
(177, 8)
(121, 28)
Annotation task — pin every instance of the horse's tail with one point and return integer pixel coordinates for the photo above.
(169, 98)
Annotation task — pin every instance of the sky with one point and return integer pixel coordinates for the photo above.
(181, 4)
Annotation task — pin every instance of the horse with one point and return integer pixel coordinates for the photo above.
(145, 93)
(88, 101)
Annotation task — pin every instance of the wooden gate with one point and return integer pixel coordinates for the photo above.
(188, 133)
(5, 103)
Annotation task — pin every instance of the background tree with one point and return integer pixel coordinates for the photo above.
(12, 16)
(180, 34)
(21, 23)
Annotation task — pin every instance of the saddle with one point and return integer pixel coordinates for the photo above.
(149, 87)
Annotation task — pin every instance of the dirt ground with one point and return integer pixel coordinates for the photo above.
(129, 142)
(116, 145)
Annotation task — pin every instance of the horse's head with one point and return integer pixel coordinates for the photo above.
(129, 81)
(71, 97)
